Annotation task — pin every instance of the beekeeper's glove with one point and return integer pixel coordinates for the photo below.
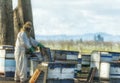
(40, 45)
(31, 50)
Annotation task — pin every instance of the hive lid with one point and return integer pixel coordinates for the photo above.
(6, 47)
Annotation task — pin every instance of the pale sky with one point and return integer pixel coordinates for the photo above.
(75, 17)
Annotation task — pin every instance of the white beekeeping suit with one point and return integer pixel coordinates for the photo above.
(23, 43)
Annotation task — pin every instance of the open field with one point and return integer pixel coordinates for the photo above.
(83, 47)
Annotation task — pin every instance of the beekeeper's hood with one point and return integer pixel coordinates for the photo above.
(27, 26)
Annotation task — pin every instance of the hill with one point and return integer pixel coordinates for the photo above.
(84, 37)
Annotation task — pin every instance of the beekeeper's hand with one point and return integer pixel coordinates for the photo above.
(40, 45)
(31, 50)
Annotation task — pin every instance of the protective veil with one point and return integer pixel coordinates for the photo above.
(22, 44)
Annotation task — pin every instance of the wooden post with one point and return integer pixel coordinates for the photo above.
(41, 67)
(6, 23)
(23, 13)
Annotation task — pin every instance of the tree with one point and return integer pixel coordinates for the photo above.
(23, 13)
(98, 38)
(6, 23)
(81, 40)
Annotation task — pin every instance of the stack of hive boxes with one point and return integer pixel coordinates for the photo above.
(7, 62)
(63, 65)
(101, 60)
(115, 66)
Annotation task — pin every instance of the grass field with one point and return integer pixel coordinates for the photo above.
(85, 47)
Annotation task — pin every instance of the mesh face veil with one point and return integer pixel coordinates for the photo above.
(28, 29)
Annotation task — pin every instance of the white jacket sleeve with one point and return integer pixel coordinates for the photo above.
(24, 40)
(33, 42)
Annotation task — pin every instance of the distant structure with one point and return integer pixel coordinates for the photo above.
(98, 38)
(81, 40)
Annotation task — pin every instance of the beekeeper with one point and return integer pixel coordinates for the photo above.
(23, 43)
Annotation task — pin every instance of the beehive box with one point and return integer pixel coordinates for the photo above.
(6, 51)
(61, 71)
(7, 62)
(7, 67)
(86, 59)
(64, 55)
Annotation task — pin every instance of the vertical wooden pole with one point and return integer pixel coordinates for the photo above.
(6, 23)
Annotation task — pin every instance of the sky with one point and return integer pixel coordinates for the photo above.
(75, 17)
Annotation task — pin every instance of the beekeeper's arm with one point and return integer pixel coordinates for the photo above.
(25, 42)
(35, 43)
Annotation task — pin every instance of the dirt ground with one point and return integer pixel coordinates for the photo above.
(8, 80)
(11, 80)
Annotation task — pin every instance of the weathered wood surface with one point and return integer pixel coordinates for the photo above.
(6, 23)
(23, 13)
